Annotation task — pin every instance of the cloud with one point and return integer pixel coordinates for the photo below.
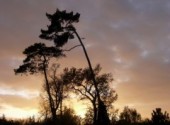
(19, 101)
(22, 93)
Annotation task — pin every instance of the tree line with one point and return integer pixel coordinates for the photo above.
(129, 116)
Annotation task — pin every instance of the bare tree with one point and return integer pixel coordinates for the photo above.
(81, 82)
(58, 90)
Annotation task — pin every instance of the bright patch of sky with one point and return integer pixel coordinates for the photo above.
(22, 93)
(13, 112)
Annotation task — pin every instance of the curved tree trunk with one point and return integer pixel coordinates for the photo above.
(102, 111)
(90, 66)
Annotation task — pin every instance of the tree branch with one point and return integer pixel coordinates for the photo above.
(88, 91)
(82, 93)
(71, 48)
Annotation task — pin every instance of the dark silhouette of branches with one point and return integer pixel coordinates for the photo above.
(71, 48)
(129, 115)
(60, 31)
(159, 118)
(81, 82)
(58, 92)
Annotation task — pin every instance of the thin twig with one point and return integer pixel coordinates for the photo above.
(71, 48)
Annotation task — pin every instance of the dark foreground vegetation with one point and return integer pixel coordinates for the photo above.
(128, 116)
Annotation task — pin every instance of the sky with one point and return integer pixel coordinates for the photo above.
(129, 38)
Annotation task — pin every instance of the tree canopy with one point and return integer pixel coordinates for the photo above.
(61, 28)
(37, 57)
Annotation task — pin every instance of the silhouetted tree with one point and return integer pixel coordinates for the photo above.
(129, 115)
(60, 31)
(159, 118)
(36, 61)
(58, 91)
(81, 82)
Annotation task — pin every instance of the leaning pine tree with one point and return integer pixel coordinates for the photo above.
(37, 61)
(60, 31)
